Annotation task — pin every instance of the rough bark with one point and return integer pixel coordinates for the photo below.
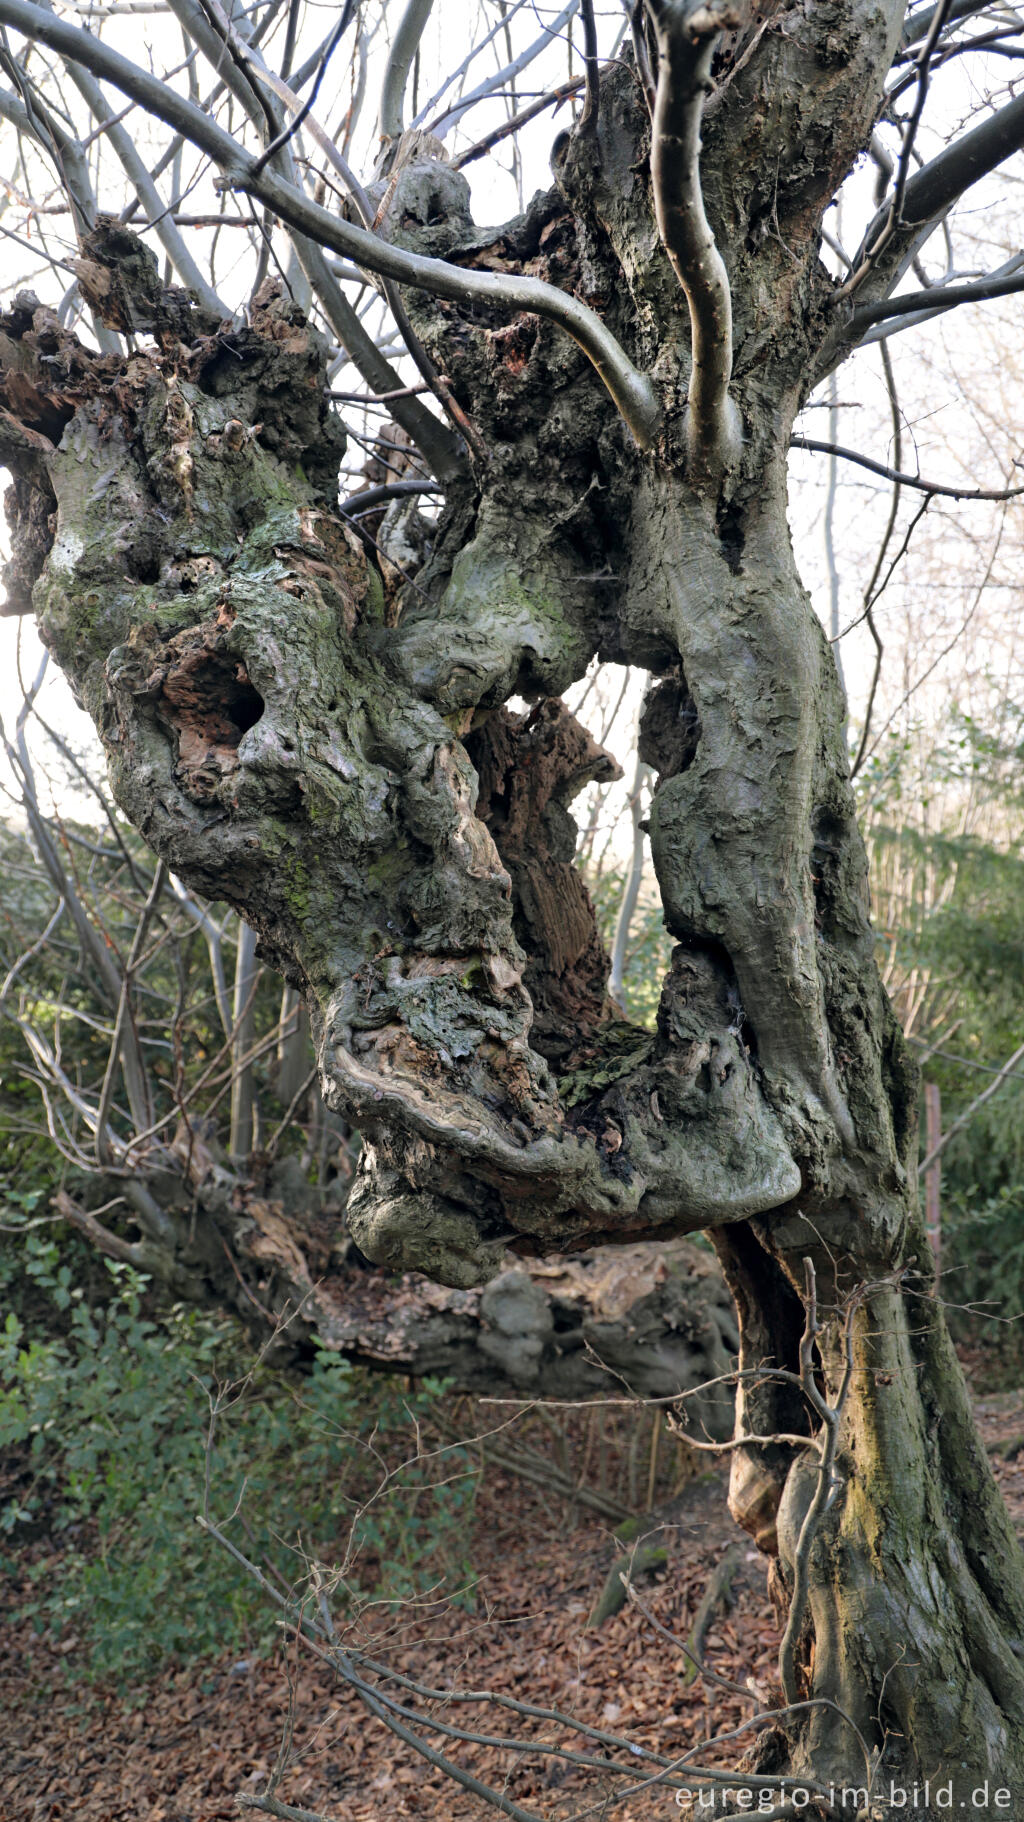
(651, 1321)
(294, 733)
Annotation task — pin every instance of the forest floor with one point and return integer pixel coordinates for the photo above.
(189, 1744)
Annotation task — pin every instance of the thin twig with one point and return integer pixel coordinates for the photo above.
(894, 218)
(964, 1119)
(943, 489)
(633, 392)
(555, 98)
(292, 126)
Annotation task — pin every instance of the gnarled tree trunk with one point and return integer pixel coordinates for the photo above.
(328, 749)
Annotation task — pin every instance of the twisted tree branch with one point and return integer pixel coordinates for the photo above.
(687, 35)
(816, 446)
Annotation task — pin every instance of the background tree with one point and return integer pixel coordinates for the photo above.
(318, 734)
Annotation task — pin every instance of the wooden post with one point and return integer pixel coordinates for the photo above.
(933, 1176)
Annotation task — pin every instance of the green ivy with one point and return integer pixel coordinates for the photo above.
(105, 1416)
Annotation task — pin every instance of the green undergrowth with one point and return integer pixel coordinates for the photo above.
(105, 1448)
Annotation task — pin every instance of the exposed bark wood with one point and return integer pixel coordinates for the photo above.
(530, 768)
(583, 1327)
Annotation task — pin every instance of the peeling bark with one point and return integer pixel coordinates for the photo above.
(331, 754)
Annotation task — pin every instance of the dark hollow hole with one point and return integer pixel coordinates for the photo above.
(731, 538)
(209, 698)
(244, 706)
(669, 726)
(142, 560)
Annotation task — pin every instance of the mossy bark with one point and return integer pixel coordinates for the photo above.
(306, 737)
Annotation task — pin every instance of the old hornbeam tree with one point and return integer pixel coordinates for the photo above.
(305, 731)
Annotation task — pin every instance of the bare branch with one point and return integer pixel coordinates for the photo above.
(632, 391)
(934, 300)
(588, 118)
(369, 497)
(306, 107)
(870, 593)
(159, 217)
(555, 98)
(134, 1253)
(272, 1806)
(102, 954)
(38, 123)
(641, 51)
(692, 1647)
(687, 35)
(247, 77)
(214, 946)
(933, 190)
(631, 889)
(874, 244)
(905, 480)
(479, 44)
(396, 75)
(379, 1707)
(320, 1636)
(247, 972)
(428, 370)
(919, 25)
(995, 41)
(124, 1015)
(964, 1119)
(432, 438)
(979, 591)
(443, 123)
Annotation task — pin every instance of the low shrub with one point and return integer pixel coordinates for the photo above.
(105, 1427)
